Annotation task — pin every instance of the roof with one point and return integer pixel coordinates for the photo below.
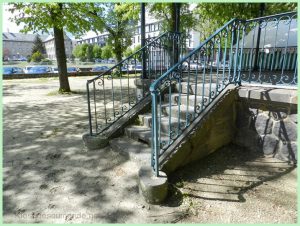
(8, 36)
(51, 37)
(286, 35)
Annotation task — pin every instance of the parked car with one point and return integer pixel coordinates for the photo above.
(100, 68)
(54, 70)
(39, 70)
(73, 69)
(12, 70)
(27, 68)
(193, 66)
(22, 59)
(138, 68)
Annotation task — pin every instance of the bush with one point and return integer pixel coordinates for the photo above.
(36, 57)
(46, 61)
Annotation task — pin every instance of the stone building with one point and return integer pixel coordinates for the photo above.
(50, 46)
(18, 45)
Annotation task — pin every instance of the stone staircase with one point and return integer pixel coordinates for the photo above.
(137, 139)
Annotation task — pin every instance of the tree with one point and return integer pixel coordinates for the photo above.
(106, 52)
(214, 15)
(117, 19)
(97, 51)
(37, 56)
(38, 46)
(89, 53)
(166, 13)
(57, 16)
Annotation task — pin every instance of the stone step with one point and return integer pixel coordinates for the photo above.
(136, 151)
(175, 111)
(196, 88)
(184, 99)
(165, 121)
(142, 134)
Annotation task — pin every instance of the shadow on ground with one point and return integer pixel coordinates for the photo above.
(226, 175)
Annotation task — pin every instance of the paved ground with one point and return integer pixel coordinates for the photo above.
(49, 177)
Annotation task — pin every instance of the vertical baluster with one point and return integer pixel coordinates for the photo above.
(113, 95)
(104, 102)
(179, 103)
(204, 77)
(236, 54)
(295, 72)
(241, 58)
(89, 108)
(211, 68)
(196, 84)
(285, 49)
(218, 61)
(121, 93)
(159, 123)
(251, 55)
(188, 94)
(224, 58)
(95, 106)
(170, 112)
(261, 58)
(231, 52)
(155, 147)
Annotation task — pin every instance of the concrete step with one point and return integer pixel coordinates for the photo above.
(175, 110)
(196, 88)
(184, 99)
(142, 134)
(165, 121)
(136, 151)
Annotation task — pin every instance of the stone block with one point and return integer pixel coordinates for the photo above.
(263, 124)
(94, 142)
(293, 118)
(286, 130)
(287, 151)
(154, 189)
(269, 144)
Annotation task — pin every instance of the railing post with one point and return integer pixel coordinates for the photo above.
(89, 108)
(143, 36)
(155, 144)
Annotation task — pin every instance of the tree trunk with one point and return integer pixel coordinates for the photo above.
(61, 60)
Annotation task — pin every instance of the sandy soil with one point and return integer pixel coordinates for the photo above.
(49, 177)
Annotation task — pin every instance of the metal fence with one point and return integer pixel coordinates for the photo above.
(114, 92)
(235, 54)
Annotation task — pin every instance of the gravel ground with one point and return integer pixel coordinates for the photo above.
(49, 177)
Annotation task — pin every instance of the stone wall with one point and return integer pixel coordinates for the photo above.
(267, 121)
(261, 119)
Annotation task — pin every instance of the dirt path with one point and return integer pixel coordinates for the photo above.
(49, 177)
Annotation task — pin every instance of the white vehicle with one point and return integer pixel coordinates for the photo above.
(27, 68)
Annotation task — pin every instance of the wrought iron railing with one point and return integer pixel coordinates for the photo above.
(181, 94)
(115, 91)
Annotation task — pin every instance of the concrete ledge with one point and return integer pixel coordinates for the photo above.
(279, 95)
(94, 142)
(154, 189)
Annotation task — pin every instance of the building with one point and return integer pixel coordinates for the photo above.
(152, 29)
(18, 45)
(50, 46)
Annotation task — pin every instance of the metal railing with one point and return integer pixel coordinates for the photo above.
(115, 91)
(181, 94)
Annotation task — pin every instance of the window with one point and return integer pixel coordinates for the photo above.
(147, 28)
(139, 39)
(133, 40)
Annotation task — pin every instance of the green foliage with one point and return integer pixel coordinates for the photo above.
(117, 19)
(89, 53)
(38, 45)
(106, 52)
(46, 61)
(129, 51)
(165, 12)
(36, 57)
(97, 52)
(214, 15)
